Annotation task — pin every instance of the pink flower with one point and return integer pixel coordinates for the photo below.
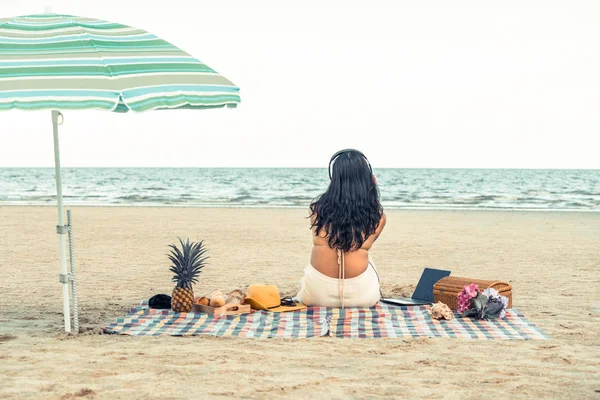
(465, 296)
(472, 289)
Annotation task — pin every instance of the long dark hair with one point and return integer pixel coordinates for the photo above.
(349, 211)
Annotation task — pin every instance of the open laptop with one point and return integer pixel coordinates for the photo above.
(423, 293)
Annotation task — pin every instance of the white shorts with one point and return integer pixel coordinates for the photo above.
(318, 289)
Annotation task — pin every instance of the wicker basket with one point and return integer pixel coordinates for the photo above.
(447, 289)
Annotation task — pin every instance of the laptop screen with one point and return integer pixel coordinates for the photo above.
(424, 289)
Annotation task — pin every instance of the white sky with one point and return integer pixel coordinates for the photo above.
(472, 84)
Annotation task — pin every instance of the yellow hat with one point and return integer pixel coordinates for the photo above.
(266, 297)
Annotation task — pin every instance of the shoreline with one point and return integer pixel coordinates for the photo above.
(218, 207)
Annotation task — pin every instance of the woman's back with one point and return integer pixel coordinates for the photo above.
(325, 259)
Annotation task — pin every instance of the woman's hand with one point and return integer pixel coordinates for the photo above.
(374, 179)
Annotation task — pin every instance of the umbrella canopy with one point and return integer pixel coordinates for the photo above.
(64, 62)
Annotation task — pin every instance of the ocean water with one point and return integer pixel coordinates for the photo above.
(296, 187)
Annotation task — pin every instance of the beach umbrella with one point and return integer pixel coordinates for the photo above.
(63, 62)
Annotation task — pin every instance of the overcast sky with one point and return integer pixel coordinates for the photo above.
(478, 84)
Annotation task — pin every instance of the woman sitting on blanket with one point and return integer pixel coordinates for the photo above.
(345, 221)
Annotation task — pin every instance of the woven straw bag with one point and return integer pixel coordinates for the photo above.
(447, 289)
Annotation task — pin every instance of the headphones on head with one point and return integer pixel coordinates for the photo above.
(339, 153)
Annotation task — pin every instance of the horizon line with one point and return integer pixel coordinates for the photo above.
(271, 167)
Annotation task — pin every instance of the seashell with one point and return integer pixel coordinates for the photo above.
(236, 297)
(217, 299)
(441, 311)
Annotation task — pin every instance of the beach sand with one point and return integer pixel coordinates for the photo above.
(551, 258)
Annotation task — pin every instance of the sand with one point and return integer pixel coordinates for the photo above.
(551, 258)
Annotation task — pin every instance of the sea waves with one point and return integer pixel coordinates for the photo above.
(297, 187)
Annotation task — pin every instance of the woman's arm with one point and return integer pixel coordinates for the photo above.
(379, 229)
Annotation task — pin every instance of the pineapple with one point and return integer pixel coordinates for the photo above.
(187, 264)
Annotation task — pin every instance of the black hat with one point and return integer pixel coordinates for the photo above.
(161, 301)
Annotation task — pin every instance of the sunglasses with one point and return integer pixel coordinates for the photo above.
(288, 301)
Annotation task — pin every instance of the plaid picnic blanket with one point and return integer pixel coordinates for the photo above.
(380, 321)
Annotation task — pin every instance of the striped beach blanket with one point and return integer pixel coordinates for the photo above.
(380, 321)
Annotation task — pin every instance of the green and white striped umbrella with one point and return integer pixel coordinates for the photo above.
(64, 62)
(61, 62)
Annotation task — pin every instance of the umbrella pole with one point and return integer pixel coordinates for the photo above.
(61, 229)
(72, 276)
